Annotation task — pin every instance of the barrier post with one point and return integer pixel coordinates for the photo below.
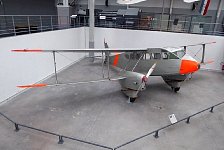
(61, 141)
(156, 134)
(16, 127)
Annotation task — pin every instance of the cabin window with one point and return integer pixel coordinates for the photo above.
(132, 56)
(165, 55)
(157, 56)
(135, 56)
(138, 55)
(149, 56)
(127, 56)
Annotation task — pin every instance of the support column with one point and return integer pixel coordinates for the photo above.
(64, 13)
(65, 2)
(91, 26)
(219, 9)
(171, 7)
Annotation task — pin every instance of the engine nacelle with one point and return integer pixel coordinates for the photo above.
(132, 83)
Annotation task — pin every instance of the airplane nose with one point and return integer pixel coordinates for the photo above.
(189, 66)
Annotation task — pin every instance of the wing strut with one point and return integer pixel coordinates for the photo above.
(103, 64)
(55, 68)
(108, 65)
(203, 53)
(137, 62)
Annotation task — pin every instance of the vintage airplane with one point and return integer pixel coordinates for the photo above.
(135, 65)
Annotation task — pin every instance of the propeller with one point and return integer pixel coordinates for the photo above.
(145, 78)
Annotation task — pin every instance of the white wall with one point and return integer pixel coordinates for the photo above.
(28, 68)
(146, 39)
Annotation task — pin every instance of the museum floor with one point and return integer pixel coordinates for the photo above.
(100, 113)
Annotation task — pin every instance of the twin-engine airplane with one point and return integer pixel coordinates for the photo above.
(136, 65)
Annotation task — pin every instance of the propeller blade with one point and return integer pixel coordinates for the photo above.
(151, 70)
(147, 75)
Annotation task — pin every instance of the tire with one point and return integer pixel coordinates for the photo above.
(176, 89)
(132, 100)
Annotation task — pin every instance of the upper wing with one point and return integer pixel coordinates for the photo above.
(84, 50)
(111, 50)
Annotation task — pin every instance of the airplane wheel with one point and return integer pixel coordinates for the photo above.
(176, 89)
(132, 100)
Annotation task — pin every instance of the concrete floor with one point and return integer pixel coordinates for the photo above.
(100, 113)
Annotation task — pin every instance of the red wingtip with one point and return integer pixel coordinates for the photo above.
(26, 50)
(32, 86)
(209, 62)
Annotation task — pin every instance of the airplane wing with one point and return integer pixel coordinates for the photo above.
(83, 50)
(110, 50)
(69, 84)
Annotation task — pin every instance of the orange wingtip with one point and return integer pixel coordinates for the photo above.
(26, 50)
(208, 62)
(32, 86)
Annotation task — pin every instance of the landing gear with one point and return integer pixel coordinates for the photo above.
(175, 89)
(131, 100)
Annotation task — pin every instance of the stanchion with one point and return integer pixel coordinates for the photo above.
(211, 109)
(16, 127)
(61, 141)
(188, 120)
(156, 134)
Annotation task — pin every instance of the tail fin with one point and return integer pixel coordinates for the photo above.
(202, 6)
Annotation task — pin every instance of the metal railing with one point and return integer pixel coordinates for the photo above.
(22, 24)
(155, 133)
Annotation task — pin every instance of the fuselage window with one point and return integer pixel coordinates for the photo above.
(165, 55)
(138, 55)
(157, 56)
(127, 56)
(149, 56)
(132, 56)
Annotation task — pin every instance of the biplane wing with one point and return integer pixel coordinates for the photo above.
(70, 84)
(84, 50)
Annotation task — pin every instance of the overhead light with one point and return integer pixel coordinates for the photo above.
(190, 1)
(128, 2)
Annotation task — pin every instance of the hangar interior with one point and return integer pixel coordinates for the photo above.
(98, 115)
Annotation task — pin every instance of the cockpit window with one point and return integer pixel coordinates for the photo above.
(173, 56)
(180, 53)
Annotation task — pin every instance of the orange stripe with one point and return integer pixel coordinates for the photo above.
(116, 58)
(32, 86)
(26, 50)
